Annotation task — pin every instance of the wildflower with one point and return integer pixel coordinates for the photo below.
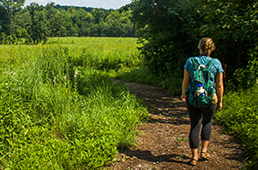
(45, 46)
(54, 80)
(40, 44)
(76, 73)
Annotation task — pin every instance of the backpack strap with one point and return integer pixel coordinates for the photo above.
(209, 64)
(208, 68)
(194, 62)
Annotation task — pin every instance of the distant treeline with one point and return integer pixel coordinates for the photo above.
(88, 9)
(34, 23)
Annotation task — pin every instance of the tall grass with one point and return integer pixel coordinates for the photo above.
(102, 53)
(60, 110)
(239, 117)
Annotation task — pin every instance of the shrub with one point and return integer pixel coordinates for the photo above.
(240, 116)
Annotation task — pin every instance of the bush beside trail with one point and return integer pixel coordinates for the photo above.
(239, 117)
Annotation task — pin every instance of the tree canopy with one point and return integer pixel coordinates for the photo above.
(171, 29)
(10, 8)
(34, 23)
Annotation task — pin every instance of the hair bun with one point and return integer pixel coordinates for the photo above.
(206, 46)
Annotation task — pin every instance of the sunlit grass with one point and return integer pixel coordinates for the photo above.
(59, 108)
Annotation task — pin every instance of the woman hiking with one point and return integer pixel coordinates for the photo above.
(202, 115)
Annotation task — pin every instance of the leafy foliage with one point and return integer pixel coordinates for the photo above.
(38, 26)
(233, 26)
(239, 116)
(41, 22)
(168, 36)
(170, 31)
(11, 7)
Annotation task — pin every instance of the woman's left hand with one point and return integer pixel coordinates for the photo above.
(219, 106)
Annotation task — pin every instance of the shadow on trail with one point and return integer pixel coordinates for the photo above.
(233, 144)
(175, 121)
(163, 102)
(147, 156)
(167, 110)
(158, 101)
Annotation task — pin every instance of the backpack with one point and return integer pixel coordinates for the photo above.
(202, 92)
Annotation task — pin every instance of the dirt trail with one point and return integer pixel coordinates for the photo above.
(163, 142)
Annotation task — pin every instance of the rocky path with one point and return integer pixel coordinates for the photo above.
(163, 141)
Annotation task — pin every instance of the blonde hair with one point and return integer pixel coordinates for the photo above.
(206, 45)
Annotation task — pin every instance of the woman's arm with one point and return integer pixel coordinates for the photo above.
(185, 84)
(219, 89)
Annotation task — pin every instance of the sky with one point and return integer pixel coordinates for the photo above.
(106, 4)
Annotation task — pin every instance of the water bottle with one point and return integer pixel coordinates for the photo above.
(200, 90)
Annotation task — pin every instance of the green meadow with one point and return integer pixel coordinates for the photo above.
(59, 106)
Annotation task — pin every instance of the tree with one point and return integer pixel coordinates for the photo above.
(99, 15)
(38, 28)
(170, 31)
(55, 20)
(167, 29)
(11, 7)
(119, 24)
(71, 22)
(88, 21)
(4, 20)
(233, 24)
(21, 21)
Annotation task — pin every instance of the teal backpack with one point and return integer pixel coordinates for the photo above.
(202, 92)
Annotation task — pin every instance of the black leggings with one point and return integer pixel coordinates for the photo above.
(196, 114)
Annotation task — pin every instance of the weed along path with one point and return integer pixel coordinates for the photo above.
(163, 141)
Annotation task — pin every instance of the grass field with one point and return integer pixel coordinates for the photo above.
(59, 107)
